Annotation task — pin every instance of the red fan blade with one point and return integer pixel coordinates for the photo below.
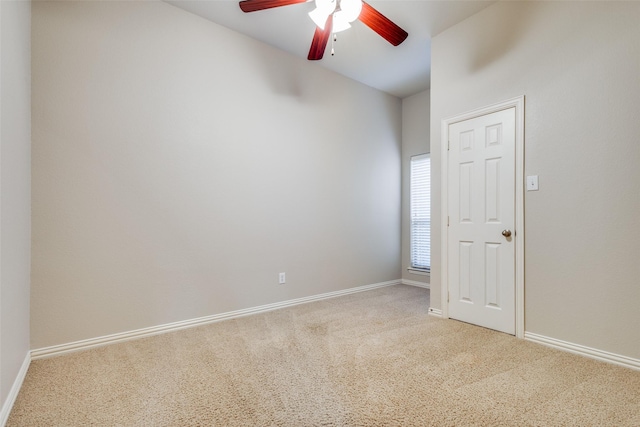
(320, 39)
(382, 25)
(255, 5)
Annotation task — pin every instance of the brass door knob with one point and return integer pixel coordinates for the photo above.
(506, 233)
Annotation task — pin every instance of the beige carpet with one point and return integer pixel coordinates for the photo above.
(369, 359)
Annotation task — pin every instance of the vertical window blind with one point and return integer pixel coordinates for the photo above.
(420, 195)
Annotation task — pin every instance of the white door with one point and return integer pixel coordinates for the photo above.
(481, 210)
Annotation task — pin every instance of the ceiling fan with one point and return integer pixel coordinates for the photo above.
(332, 16)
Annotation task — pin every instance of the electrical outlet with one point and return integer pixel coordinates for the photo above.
(281, 278)
(532, 183)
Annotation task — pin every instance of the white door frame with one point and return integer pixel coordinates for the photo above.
(518, 103)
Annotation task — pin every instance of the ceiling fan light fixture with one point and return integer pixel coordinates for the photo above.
(323, 9)
(318, 17)
(340, 22)
(351, 9)
(343, 12)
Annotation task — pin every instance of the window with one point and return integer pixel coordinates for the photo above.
(420, 195)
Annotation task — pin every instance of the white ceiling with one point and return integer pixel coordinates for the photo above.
(361, 54)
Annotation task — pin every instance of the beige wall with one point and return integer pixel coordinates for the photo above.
(178, 167)
(415, 140)
(578, 64)
(15, 193)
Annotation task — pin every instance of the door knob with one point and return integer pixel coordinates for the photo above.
(506, 233)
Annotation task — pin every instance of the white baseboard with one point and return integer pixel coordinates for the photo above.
(435, 312)
(58, 350)
(15, 389)
(581, 350)
(415, 283)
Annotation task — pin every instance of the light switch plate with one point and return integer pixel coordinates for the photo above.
(532, 183)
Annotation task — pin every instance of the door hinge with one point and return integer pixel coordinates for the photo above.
(448, 143)
(448, 295)
(447, 221)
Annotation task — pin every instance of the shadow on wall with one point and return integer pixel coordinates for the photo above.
(300, 81)
(503, 33)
